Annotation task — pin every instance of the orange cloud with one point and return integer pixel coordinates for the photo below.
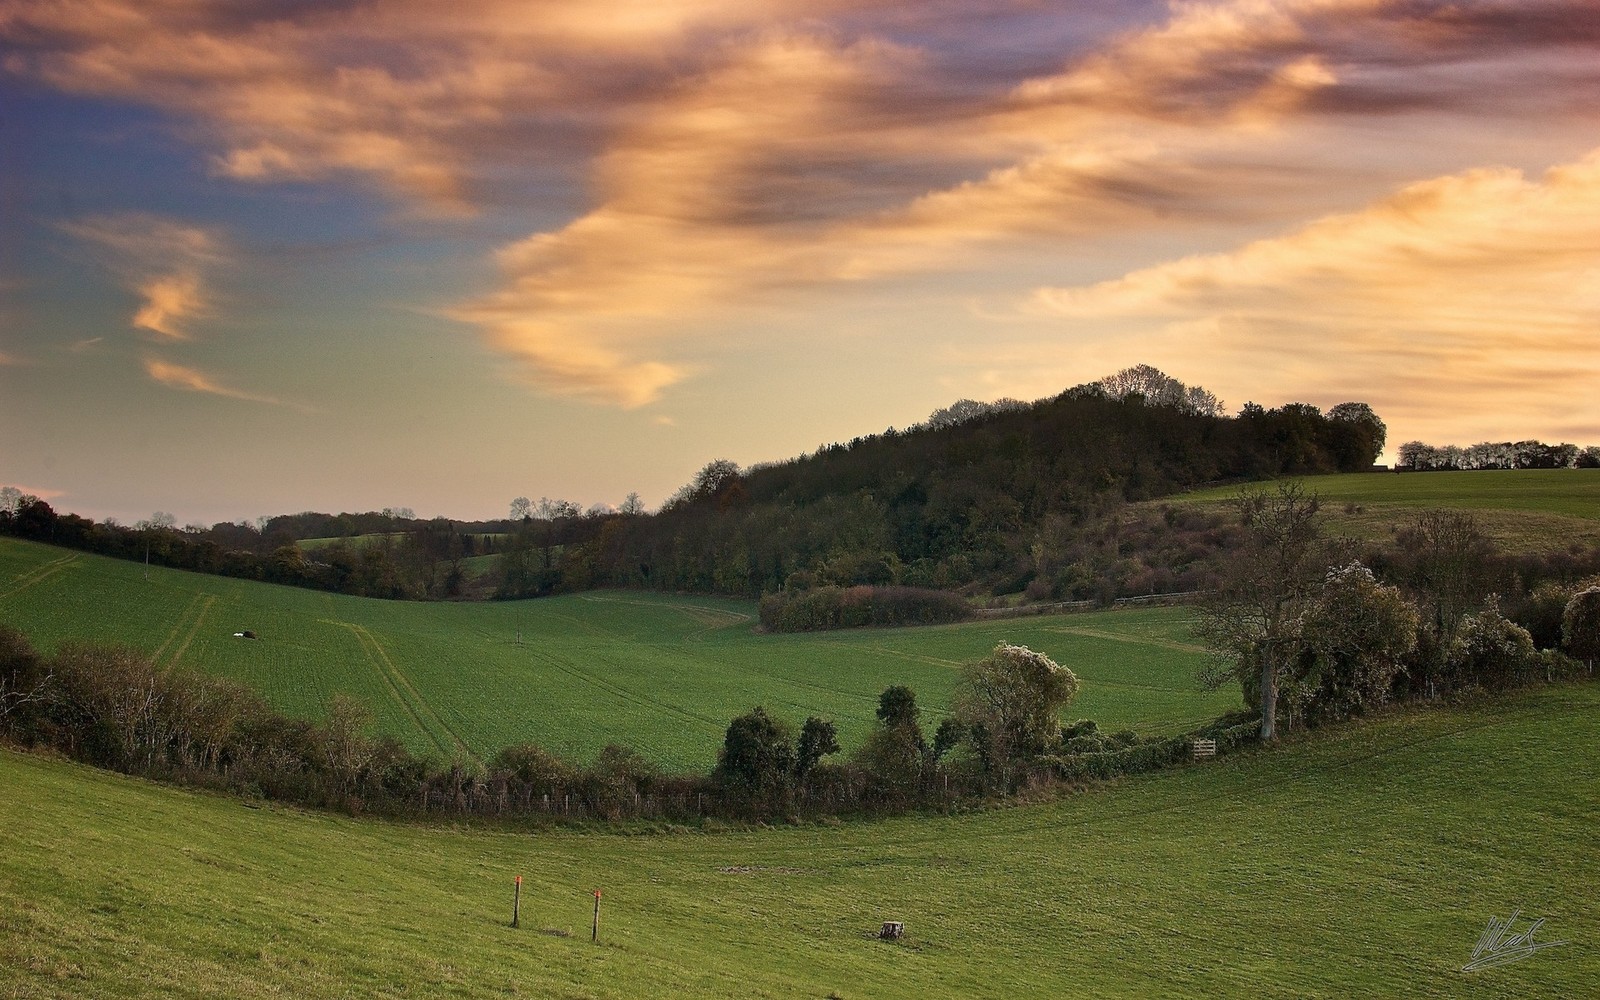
(405, 93)
(737, 155)
(193, 380)
(1474, 292)
(164, 262)
(673, 233)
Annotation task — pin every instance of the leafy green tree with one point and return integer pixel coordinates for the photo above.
(1357, 634)
(1013, 699)
(1252, 621)
(897, 706)
(947, 737)
(818, 738)
(1358, 436)
(756, 760)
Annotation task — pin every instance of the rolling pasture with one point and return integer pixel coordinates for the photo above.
(1366, 861)
(662, 673)
(1529, 509)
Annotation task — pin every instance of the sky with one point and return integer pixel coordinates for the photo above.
(265, 256)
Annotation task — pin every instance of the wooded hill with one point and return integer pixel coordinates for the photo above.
(1009, 496)
(982, 498)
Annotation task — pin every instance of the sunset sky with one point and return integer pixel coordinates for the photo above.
(264, 256)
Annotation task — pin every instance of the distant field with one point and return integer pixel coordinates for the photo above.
(1568, 492)
(662, 673)
(1366, 862)
(1536, 509)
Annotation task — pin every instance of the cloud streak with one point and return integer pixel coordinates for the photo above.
(164, 262)
(175, 376)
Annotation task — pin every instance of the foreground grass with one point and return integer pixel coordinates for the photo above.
(660, 672)
(1363, 862)
(1527, 510)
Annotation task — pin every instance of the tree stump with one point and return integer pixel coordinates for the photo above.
(892, 930)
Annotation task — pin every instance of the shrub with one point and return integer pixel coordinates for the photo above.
(827, 608)
(1492, 650)
(1011, 702)
(1580, 626)
(755, 763)
(535, 767)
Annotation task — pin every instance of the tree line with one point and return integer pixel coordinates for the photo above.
(1417, 456)
(112, 707)
(389, 554)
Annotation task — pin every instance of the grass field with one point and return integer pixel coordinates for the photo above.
(662, 673)
(1530, 509)
(1364, 862)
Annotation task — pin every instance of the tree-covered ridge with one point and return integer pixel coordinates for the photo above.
(986, 497)
(994, 500)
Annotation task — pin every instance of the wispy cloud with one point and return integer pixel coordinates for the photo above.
(193, 380)
(1473, 292)
(163, 261)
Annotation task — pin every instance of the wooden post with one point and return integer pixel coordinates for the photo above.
(594, 934)
(516, 903)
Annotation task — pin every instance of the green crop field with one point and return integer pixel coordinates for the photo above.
(1529, 509)
(1366, 861)
(662, 673)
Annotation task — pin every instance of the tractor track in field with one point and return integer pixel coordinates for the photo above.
(177, 626)
(714, 619)
(406, 695)
(38, 575)
(899, 654)
(1094, 633)
(204, 603)
(619, 691)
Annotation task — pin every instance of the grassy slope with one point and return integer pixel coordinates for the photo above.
(662, 673)
(1531, 509)
(1362, 863)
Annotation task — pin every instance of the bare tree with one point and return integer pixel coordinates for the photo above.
(1446, 559)
(1252, 621)
(25, 679)
(1158, 388)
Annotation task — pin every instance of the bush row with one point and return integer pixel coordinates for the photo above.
(825, 608)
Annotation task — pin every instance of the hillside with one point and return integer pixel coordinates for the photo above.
(1527, 510)
(1365, 862)
(662, 673)
(982, 498)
